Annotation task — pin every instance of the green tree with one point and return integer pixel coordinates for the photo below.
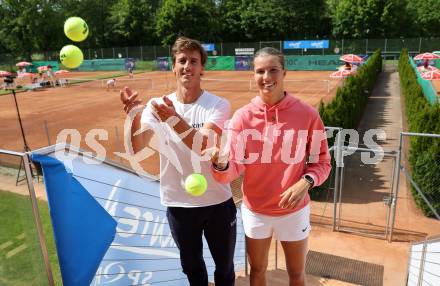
(134, 22)
(426, 17)
(96, 14)
(29, 26)
(273, 19)
(191, 18)
(369, 18)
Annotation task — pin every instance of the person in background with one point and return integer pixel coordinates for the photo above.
(111, 83)
(347, 66)
(130, 69)
(50, 75)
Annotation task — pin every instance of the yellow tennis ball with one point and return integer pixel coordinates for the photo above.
(76, 29)
(71, 56)
(196, 184)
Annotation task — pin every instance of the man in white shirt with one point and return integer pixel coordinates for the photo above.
(111, 83)
(182, 122)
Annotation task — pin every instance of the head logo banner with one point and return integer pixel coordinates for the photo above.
(110, 227)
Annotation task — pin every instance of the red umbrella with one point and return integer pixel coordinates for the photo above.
(5, 73)
(351, 58)
(431, 75)
(426, 56)
(23, 64)
(430, 68)
(341, 74)
(42, 68)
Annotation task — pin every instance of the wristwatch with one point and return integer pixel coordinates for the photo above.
(309, 180)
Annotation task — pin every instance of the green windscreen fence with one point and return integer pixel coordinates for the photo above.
(428, 89)
(225, 63)
(312, 63)
(35, 64)
(103, 65)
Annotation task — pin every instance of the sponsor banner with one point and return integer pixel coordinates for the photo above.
(244, 51)
(243, 63)
(220, 63)
(330, 62)
(316, 44)
(163, 63)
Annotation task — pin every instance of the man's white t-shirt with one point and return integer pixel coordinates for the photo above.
(177, 161)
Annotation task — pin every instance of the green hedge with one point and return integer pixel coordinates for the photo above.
(424, 152)
(346, 109)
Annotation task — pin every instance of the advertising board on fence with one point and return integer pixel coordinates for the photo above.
(330, 62)
(219, 63)
(319, 44)
(163, 63)
(243, 63)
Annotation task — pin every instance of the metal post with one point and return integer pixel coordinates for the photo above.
(126, 52)
(337, 182)
(342, 52)
(396, 187)
(26, 147)
(154, 52)
(102, 53)
(221, 48)
(113, 49)
(387, 225)
(385, 48)
(366, 46)
(422, 265)
(46, 130)
(37, 220)
(420, 44)
(142, 58)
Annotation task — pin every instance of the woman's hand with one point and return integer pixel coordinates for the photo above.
(294, 195)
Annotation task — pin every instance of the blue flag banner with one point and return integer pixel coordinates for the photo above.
(209, 47)
(143, 251)
(317, 44)
(83, 229)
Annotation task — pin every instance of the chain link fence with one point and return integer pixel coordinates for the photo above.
(343, 46)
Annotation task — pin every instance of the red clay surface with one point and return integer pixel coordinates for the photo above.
(436, 84)
(89, 105)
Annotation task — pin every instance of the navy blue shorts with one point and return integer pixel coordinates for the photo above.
(218, 223)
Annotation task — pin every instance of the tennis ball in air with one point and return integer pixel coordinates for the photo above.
(71, 56)
(76, 29)
(196, 184)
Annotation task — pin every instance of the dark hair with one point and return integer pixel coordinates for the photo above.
(269, 51)
(184, 43)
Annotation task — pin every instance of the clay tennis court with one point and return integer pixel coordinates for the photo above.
(436, 85)
(86, 106)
